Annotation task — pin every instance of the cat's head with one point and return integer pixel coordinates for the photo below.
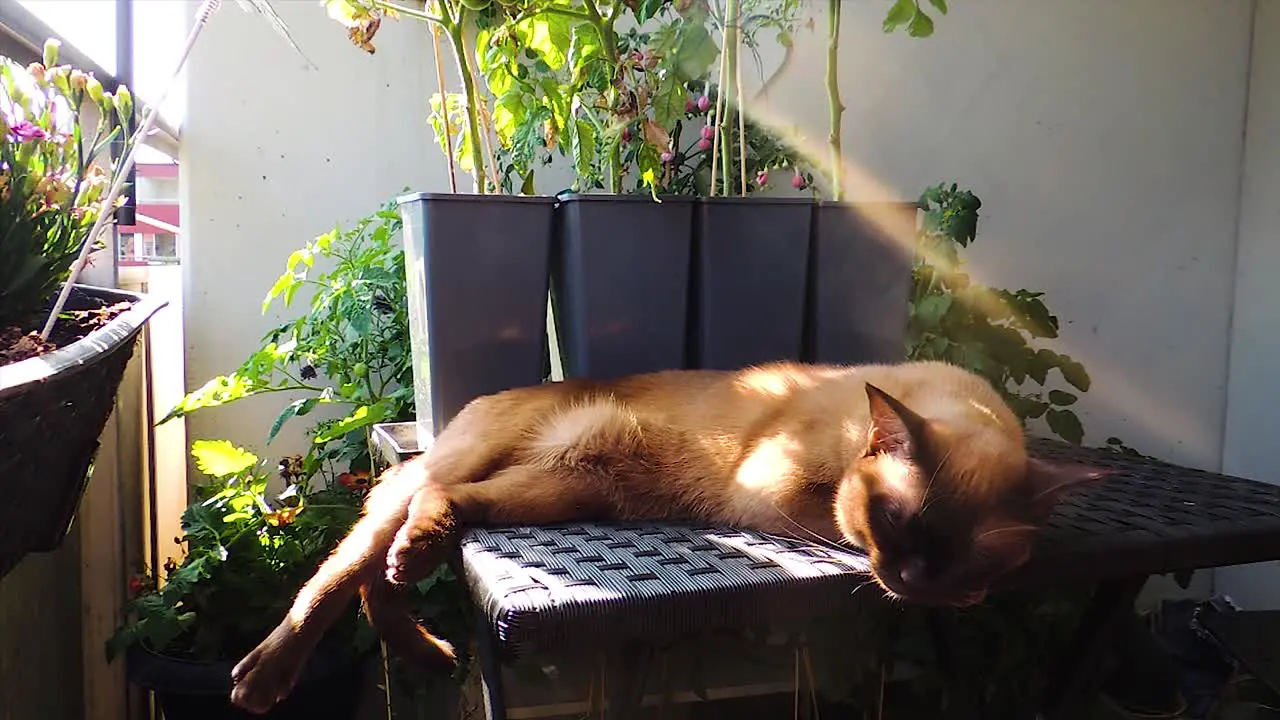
(944, 507)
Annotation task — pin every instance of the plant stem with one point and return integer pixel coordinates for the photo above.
(469, 91)
(833, 98)
(444, 108)
(730, 71)
(737, 94)
(406, 10)
(609, 42)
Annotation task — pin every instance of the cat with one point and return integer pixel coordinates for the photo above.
(922, 465)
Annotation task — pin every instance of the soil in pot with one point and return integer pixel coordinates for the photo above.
(81, 316)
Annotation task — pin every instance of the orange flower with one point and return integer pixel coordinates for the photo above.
(358, 481)
(283, 516)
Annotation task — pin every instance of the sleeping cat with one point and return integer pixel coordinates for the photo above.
(920, 464)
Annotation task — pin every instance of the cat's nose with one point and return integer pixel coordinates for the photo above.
(912, 572)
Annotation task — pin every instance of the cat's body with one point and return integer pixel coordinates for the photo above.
(920, 464)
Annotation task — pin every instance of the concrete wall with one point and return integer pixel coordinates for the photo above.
(1249, 446)
(274, 154)
(1108, 156)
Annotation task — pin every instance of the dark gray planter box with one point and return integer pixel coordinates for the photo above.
(477, 269)
(621, 283)
(750, 278)
(862, 321)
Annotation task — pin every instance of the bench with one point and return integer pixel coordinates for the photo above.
(627, 589)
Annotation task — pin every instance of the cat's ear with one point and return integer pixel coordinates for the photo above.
(895, 428)
(1051, 480)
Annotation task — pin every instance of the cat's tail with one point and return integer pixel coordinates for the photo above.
(387, 607)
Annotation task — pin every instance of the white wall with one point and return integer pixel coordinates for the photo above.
(275, 154)
(1105, 140)
(1249, 443)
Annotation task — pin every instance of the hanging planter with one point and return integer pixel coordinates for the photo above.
(53, 407)
(621, 283)
(477, 283)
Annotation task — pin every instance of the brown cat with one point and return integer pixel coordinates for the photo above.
(920, 464)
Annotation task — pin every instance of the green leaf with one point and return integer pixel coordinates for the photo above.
(941, 5)
(283, 283)
(930, 311)
(549, 35)
(901, 13)
(293, 409)
(363, 416)
(1059, 397)
(921, 25)
(1074, 373)
(695, 51)
(220, 458)
(1066, 425)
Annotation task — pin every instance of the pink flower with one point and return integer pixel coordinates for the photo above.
(25, 131)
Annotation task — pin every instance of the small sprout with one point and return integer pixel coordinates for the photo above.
(626, 135)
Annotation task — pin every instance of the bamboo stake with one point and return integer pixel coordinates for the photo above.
(737, 95)
(719, 113)
(444, 107)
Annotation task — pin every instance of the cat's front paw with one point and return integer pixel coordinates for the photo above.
(267, 674)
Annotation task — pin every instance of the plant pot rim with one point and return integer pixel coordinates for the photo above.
(413, 197)
(611, 197)
(324, 662)
(755, 200)
(15, 378)
(847, 204)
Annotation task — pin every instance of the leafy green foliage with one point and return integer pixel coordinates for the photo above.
(247, 553)
(909, 14)
(350, 349)
(990, 331)
(54, 175)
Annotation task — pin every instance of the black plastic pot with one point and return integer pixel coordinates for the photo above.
(621, 283)
(749, 280)
(859, 282)
(329, 687)
(477, 269)
(53, 409)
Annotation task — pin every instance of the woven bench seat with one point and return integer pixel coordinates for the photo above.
(551, 586)
(546, 588)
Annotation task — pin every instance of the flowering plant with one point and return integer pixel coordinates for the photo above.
(247, 552)
(53, 174)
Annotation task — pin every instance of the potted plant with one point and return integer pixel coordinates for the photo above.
(348, 349)
(247, 552)
(59, 371)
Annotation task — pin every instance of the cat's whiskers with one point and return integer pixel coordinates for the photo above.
(824, 542)
(924, 497)
(1007, 528)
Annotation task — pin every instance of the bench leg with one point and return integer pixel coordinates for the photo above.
(1076, 674)
(626, 672)
(495, 702)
